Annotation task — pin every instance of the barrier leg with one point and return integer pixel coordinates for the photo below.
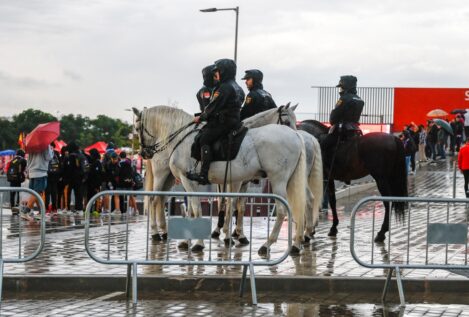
(1, 279)
(253, 284)
(134, 284)
(400, 288)
(128, 280)
(243, 281)
(386, 285)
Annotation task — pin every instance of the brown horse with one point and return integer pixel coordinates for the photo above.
(380, 155)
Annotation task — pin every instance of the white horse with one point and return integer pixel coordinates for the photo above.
(274, 151)
(314, 172)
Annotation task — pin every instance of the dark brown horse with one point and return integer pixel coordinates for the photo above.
(380, 155)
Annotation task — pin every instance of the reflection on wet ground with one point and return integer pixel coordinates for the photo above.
(229, 304)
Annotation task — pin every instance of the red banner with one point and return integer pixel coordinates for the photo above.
(413, 104)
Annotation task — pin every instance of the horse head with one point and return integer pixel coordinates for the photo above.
(145, 150)
(287, 116)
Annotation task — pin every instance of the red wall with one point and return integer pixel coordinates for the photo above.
(413, 104)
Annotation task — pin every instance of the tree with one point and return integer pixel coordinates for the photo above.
(108, 129)
(8, 138)
(75, 128)
(27, 120)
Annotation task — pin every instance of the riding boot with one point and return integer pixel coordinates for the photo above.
(202, 178)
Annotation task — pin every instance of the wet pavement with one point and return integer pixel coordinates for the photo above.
(64, 254)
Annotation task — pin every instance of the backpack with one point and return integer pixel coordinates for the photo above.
(138, 181)
(15, 172)
(78, 165)
(126, 177)
(54, 166)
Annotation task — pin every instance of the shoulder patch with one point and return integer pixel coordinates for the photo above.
(216, 94)
(339, 102)
(206, 95)
(248, 100)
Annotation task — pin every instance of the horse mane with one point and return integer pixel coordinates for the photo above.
(316, 124)
(161, 121)
(260, 118)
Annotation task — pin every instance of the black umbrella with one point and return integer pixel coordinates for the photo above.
(456, 111)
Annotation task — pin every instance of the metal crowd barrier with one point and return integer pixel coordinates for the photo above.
(430, 251)
(185, 228)
(42, 234)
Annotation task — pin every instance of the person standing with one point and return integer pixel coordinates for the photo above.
(37, 167)
(95, 177)
(75, 171)
(53, 176)
(422, 142)
(432, 138)
(16, 175)
(463, 165)
(257, 100)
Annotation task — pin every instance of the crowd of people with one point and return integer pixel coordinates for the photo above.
(56, 176)
(431, 142)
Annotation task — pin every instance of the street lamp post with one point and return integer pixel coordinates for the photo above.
(236, 29)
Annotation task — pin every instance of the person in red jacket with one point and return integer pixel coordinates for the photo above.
(463, 164)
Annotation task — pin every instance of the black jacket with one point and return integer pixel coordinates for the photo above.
(225, 104)
(348, 109)
(205, 93)
(257, 100)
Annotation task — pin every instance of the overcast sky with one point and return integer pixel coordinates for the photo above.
(95, 57)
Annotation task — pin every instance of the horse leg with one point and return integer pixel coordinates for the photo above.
(240, 209)
(226, 226)
(221, 217)
(332, 201)
(263, 250)
(384, 190)
(196, 210)
(309, 231)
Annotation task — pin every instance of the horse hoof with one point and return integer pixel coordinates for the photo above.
(235, 234)
(183, 245)
(243, 241)
(263, 250)
(156, 237)
(294, 250)
(380, 237)
(215, 234)
(228, 242)
(333, 232)
(197, 248)
(164, 236)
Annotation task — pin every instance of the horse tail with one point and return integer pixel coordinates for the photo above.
(315, 180)
(296, 189)
(148, 185)
(399, 175)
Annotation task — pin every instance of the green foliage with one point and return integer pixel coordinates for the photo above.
(81, 129)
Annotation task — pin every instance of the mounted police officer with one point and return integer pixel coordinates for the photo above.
(258, 99)
(204, 93)
(344, 117)
(222, 114)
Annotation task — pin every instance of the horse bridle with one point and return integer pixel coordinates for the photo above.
(280, 119)
(157, 147)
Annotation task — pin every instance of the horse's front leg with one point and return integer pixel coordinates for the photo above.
(228, 223)
(332, 201)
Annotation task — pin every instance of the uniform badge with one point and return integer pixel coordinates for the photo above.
(206, 95)
(216, 94)
(248, 100)
(339, 102)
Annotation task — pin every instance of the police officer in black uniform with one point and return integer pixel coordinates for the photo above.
(204, 93)
(258, 99)
(344, 117)
(222, 114)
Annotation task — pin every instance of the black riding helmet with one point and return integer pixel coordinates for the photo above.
(207, 74)
(348, 82)
(255, 74)
(227, 69)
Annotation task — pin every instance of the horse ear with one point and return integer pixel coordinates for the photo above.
(137, 112)
(293, 108)
(287, 106)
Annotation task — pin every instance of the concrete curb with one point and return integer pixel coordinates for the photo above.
(84, 283)
(353, 190)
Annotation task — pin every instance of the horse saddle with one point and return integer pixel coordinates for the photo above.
(225, 148)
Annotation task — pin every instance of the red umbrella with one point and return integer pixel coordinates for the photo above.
(59, 145)
(42, 136)
(100, 146)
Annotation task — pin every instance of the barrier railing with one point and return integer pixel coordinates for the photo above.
(184, 228)
(42, 233)
(418, 238)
